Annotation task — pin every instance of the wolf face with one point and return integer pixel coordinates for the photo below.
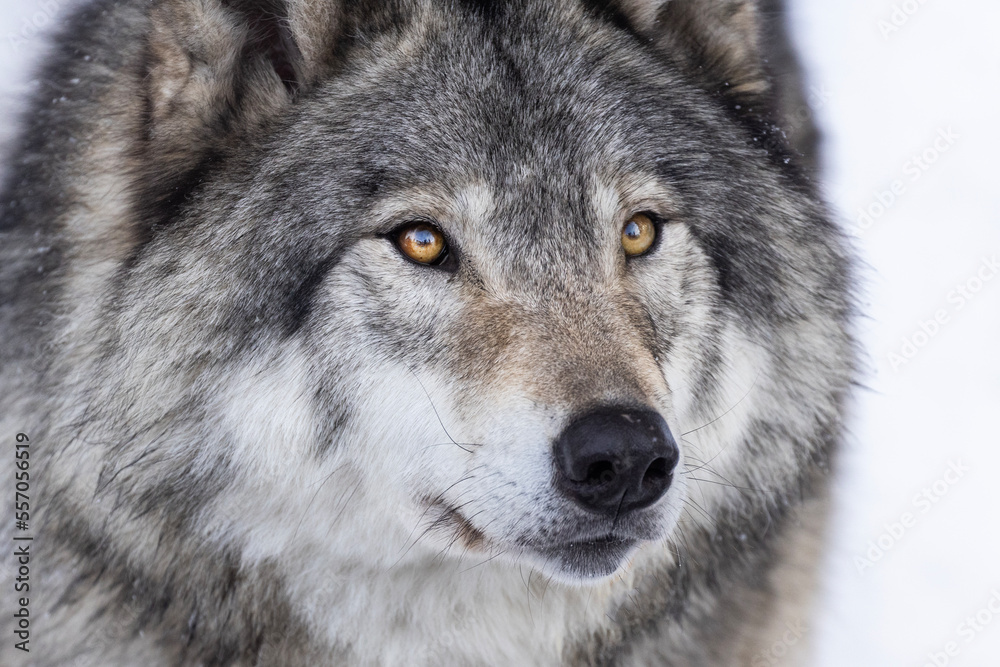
(458, 393)
(374, 292)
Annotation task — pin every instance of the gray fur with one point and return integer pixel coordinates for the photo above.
(218, 353)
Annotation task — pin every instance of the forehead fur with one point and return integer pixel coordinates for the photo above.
(564, 122)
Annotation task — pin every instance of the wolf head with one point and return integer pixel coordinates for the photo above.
(453, 283)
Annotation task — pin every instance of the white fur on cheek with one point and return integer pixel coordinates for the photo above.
(712, 433)
(268, 412)
(345, 539)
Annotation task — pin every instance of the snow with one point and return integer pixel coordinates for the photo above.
(927, 86)
(908, 101)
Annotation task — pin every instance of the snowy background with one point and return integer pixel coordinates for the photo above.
(912, 105)
(907, 96)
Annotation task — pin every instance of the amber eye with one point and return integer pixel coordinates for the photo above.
(638, 235)
(421, 242)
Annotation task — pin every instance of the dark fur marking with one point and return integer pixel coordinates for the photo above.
(745, 280)
(32, 197)
(300, 301)
(270, 36)
(158, 210)
(609, 11)
(490, 10)
(371, 178)
(337, 419)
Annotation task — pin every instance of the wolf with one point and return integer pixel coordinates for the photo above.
(420, 332)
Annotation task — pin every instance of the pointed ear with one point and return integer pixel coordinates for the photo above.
(214, 69)
(717, 41)
(641, 13)
(214, 60)
(718, 38)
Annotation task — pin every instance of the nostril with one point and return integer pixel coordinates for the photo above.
(657, 472)
(600, 472)
(614, 460)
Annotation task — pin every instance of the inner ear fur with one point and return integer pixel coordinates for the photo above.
(214, 65)
(214, 70)
(717, 41)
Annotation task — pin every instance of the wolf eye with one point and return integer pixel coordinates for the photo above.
(421, 242)
(638, 235)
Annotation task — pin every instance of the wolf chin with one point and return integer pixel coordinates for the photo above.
(421, 332)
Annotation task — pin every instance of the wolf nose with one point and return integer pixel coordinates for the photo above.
(613, 461)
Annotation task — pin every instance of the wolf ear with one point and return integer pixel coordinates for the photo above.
(718, 41)
(208, 60)
(212, 71)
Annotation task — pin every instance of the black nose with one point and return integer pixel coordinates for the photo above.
(615, 460)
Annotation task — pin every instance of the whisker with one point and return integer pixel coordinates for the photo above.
(463, 445)
(484, 562)
(437, 499)
(689, 501)
(709, 469)
(321, 483)
(438, 416)
(343, 507)
(752, 385)
(704, 464)
(729, 484)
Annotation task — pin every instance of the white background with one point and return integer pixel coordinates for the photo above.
(887, 86)
(890, 94)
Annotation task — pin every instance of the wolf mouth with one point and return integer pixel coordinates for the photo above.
(590, 559)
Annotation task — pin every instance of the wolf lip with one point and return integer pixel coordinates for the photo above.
(592, 558)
